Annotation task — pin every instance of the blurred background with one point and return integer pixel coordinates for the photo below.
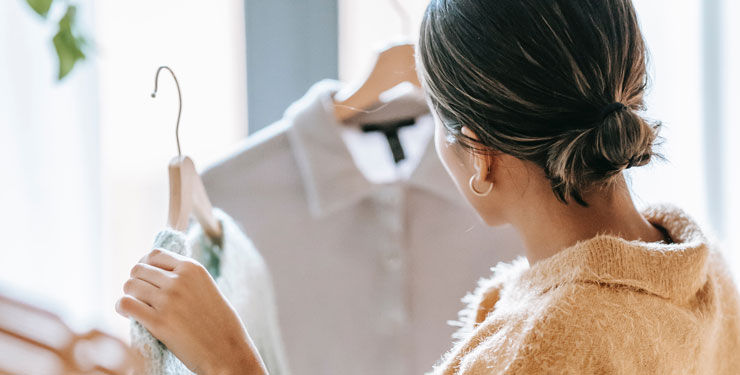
(83, 159)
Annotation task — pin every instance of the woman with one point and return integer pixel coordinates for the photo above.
(536, 104)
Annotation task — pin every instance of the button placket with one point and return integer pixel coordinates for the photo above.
(394, 315)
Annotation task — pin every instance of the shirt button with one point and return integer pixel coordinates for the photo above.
(396, 318)
(386, 199)
(394, 223)
(390, 195)
(393, 260)
(392, 319)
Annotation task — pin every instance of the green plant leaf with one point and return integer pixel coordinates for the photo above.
(68, 45)
(40, 6)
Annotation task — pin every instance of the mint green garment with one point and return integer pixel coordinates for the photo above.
(242, 277)
(157, 359)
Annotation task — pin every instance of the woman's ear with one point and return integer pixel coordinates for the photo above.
(481, 162)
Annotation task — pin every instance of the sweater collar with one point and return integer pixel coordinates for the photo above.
(673, 271)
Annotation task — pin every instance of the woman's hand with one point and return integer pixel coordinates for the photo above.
(176, 299)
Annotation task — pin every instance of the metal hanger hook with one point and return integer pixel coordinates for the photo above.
(179, 96)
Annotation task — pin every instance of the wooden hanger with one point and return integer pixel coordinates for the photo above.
(187, 193)
(393, 66)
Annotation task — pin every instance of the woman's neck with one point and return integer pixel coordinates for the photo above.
(551, 226)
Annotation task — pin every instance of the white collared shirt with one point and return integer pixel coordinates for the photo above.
(367, 268)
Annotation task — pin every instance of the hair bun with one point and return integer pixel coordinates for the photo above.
(639, 160)
(581, 158)
(611, 108)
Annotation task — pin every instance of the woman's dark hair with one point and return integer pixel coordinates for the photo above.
(538, 80)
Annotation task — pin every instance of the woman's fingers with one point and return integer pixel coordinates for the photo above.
(143, 291)
(151, 274)
(179, 289)
(163, 259)
(131, 307)
(169, 261)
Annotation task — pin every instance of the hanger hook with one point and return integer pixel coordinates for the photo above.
(179, 96)
(405, 19)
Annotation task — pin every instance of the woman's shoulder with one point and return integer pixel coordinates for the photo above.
(510, 330)
(573, 328)
(480, 302)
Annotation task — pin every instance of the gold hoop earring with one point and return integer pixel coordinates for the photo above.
(476, 192)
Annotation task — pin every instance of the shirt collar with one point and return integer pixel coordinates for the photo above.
(331, 179)
(672, 271)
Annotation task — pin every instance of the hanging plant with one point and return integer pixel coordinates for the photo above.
(68, 43)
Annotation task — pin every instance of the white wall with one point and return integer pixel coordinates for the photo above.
(731, 125)
(673, 33)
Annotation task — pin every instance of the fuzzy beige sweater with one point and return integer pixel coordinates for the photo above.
(605, 306)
